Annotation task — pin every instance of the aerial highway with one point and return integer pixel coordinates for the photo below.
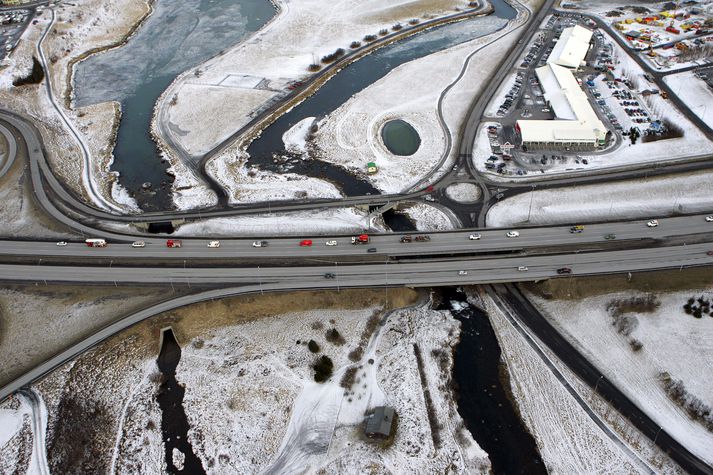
(431, 271)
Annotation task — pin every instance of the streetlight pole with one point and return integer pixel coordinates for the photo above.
(532, 194)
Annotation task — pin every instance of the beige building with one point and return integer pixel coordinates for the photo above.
(571, 48)
(577, 125)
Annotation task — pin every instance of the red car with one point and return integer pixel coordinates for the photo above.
(710, 253)
(305, 242)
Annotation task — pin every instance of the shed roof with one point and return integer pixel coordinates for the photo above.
(572, 47)
(379, 423)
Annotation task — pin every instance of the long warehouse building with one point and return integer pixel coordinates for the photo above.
(577, 126)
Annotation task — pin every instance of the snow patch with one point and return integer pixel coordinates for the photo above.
(295, 139)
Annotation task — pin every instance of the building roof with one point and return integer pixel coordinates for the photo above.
(379, 423)
(576, 119)
(572, 47)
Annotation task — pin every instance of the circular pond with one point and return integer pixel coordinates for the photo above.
(400, 138)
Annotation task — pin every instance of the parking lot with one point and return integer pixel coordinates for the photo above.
(12, 25)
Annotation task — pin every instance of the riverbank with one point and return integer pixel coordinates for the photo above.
(80, 28)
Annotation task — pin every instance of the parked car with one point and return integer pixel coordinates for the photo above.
(259, 243)
(214, 244)
(138, 244)
(653, 223)
(512, 234)
(474, 237)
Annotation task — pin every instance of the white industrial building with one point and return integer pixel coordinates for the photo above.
(577, 125)
(571, 48)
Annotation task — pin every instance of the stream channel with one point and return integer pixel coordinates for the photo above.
(180, 35)
(483, 400)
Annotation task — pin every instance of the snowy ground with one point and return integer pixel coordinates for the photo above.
(38, 322)
(324, 221)
(429, 218)
(694, 92)
(464, 192)
(264, 410)
(251, 185)
(351, 135)
(568, 440)
(79, 28)
(633, 199)
(673, 342)
(276, 56)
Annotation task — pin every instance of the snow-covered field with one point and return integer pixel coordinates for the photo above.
(251, 185)
(429, 218)
(694, 92)
(620, 200)
(263, 409)
(568, 439)
(464, 192)
(673, 342)
(324, 221)
(277, 55)
(351, 135)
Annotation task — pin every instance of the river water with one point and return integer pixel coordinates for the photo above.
(177, 36)
(180, 35)
(483, 402)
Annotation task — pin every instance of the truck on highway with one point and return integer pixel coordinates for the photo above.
(360, 239)
(174, 243)
(94, 242)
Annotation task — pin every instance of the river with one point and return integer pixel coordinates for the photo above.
(181, 35)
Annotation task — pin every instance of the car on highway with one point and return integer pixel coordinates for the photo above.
(709, 219)
(653, 223)
(422, 238)
(474, 237)
(329, 275)
(710, 253)
(609, 237)
(214, 244)
(371, 249)
(564, 270)
(62, 243)
(305, 243)
(138, 244)
(512, 234)
(331, 243)
(462, 272)
(405, 239)
(576, 229)
(522, 268)
(259, 243)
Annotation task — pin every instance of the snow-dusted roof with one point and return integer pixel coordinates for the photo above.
(572, 47)
(576, 119)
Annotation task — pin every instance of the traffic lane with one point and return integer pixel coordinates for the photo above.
(478, 270)
(388, 243)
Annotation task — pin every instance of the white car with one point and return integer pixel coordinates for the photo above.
(214, 244)
(331, 243)
(474, 237)
(259, 243)
(462, 272)
(512, 234)
(62, 243)
(709, 219)
(522, 268)
(653, 223)
(138, 244)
